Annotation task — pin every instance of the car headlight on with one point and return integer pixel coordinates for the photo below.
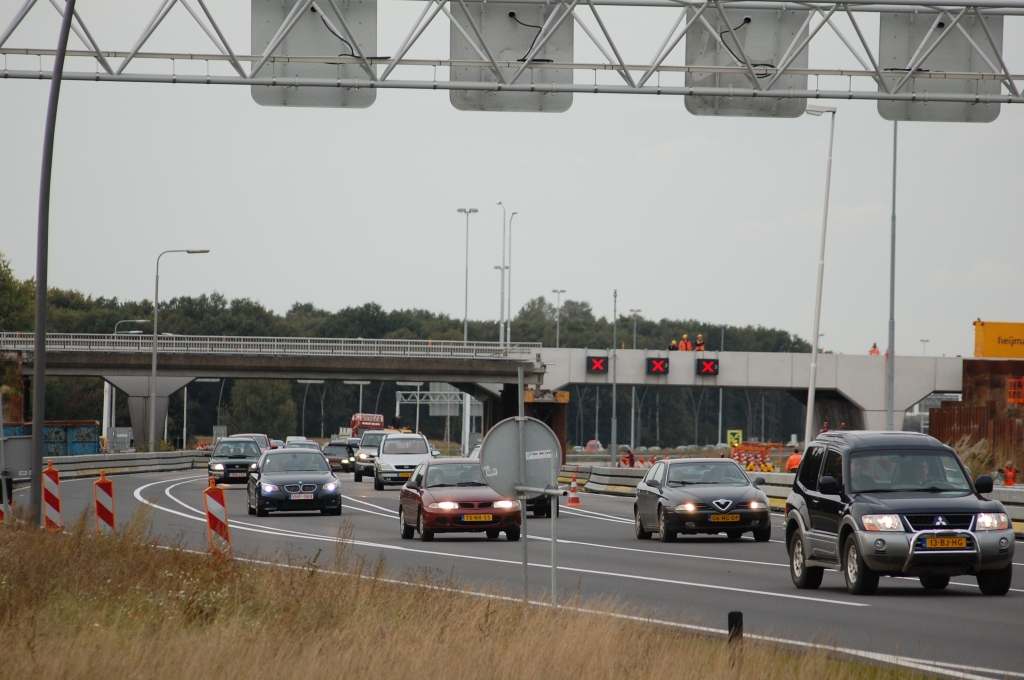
(992, 521)
(330, 486)
(504, 505)
(444, 505)
(268, 488)
(756, 505)
(686, 507)
(384, 466)
(882, 523)
(352, 459)
(217, 466)
(362, 456)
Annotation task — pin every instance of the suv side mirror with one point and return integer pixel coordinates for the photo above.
(758, 481)
(829, 486)
(983, 484)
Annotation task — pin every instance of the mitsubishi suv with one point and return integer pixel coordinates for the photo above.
(874, 504)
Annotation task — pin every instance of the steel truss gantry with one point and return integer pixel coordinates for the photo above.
(224, 65)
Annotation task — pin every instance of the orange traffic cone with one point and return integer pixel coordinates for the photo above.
(574, 494)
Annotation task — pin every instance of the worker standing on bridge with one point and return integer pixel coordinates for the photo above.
(793, 462)
(673, 346)
(685, 345)
(699, 347)
(874, 349)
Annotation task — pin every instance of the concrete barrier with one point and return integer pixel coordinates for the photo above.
(614, 481)
(127, 463)
(582, 474)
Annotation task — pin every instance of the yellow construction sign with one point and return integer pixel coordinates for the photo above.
(994, 339)
(734, 437)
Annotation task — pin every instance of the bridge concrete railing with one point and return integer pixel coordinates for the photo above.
(257, 346)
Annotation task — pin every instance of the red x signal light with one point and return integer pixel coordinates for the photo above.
(707, 367)
(656, 366)
(597, 364)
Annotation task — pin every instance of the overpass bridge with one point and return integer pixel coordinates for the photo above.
(850, 388)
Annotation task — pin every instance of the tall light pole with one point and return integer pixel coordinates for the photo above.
(924, 347)
(809, 422)
(307, 383)
(890, 359)
(613, 445)
(721, 348)
(156, 318)
(360, 383)
(558, 315)
(130, 321)
(501, 322)
(632, 396)
(508, 323)
(465, 339)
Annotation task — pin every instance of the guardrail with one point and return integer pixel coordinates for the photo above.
(127, 463)
(256, 346)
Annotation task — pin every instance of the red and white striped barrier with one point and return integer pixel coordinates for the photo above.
(103, 496)
(5, 509)
(217, 530)
(51, 498)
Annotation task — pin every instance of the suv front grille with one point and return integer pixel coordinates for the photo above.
(295, 488)
(925, 522)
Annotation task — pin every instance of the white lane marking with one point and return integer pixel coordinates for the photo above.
(167, 492)
(659, 552)
(379, 507)
(575, 511)
(287, 533)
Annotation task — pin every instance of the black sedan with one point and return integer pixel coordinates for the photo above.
(700, 496)
(231, 459)
(293, 479)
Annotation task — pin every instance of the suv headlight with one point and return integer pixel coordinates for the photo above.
(268, 488)
(506, 504)
(362, 456)
(384, 466)
(330, 486)
(217, 466)
(444, 505)
(992, 521)
(882, 523)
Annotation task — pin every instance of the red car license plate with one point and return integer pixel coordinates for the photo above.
(301, 497)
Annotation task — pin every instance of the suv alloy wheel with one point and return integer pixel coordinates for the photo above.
(804, 577)
(860, 579)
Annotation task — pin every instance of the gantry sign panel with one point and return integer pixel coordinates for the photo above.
(318, 31)
(938, 42)
(756, 40)
(510, 32)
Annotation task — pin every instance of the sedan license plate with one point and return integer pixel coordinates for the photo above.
(725, 518)
(952, 543)
(405, 475)
(478, 518)
(237, 474)
(300, 497)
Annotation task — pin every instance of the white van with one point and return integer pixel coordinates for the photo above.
(397, 456)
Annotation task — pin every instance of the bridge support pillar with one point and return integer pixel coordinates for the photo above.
(137, 389)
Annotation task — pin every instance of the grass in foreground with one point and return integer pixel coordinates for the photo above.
(74, 606)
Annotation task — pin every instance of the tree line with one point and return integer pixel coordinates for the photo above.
(665, 416)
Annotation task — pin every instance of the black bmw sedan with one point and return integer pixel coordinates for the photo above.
(293, 479)
(700, 496)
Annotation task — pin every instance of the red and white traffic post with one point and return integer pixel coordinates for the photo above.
(217, 530)
(51, 498)
(103, 496)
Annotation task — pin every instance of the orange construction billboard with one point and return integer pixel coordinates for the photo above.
(997, 339)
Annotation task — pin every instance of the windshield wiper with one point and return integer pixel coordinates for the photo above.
(471, 484)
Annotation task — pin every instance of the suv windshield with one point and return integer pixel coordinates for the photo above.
(371, 439)
(932, 471)
(410, 445)
(296, 462)
(243, 448)
(468, 474)
(725, 473)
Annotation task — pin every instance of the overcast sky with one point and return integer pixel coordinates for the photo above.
(688, 217)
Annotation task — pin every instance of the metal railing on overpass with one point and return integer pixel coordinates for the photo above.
(267, 346)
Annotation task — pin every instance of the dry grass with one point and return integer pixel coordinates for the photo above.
(74, 606)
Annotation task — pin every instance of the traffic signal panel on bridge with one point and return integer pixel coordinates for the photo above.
(707, 367)
(597, 364)
(657, 366)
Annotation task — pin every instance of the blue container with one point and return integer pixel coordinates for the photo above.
(63, 438)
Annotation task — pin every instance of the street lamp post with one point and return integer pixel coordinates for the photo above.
(307, 383)
(890, 359)
(109, 390)
(131, 321)
(924, 347)
(613, 445)
(360, 383)
(156, 317)
(632, 396)
(501, 322)
(465, 338)
(809, 422)
(508, 322)
(558, 315)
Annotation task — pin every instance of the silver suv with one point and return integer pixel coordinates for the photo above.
(397, 456)
(366, 453)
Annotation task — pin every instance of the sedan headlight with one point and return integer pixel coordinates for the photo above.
(217, 466)
(362, 456)
(504, 505)
(756, 505)
(686, 507)
(444, 505)
(992, 521)
(330, 486)
(384, 466)
(268, 488)
(882, 523)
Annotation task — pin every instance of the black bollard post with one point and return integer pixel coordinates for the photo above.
(735, 627)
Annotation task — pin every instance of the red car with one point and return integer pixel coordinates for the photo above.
(451, 495)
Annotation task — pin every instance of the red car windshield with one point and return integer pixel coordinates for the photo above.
(468, 474)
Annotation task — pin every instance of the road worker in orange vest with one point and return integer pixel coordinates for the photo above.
(699, 347)
(685, 345)
(793, 462)
(673, 346)
(874, 350)
(1010, 474)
